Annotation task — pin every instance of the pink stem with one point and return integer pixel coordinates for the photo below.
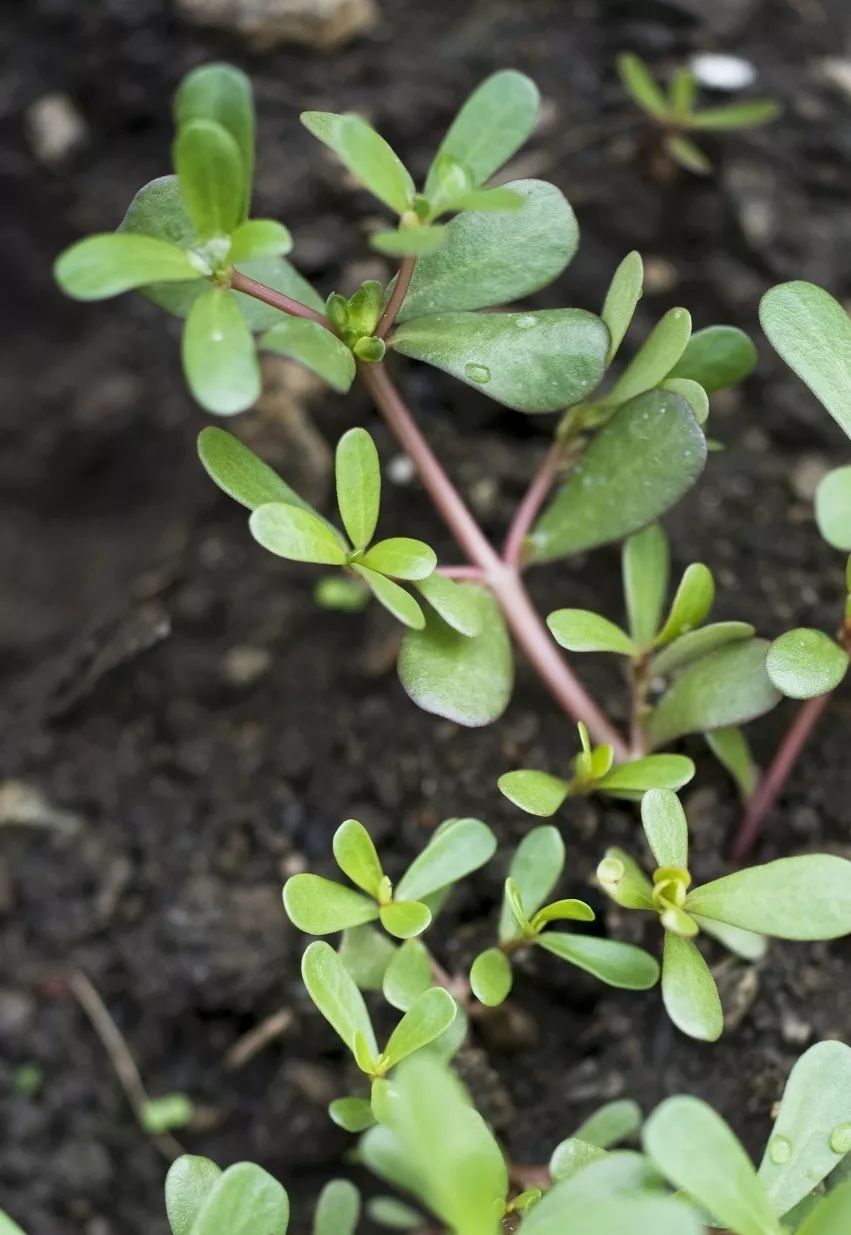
(397, 297)
(461, 572)
(532, 502)
(278, 300)
(771, 784)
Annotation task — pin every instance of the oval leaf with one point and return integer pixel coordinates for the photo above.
(491, 259)
(405, 918)
(241, 474)
(666, 828)
(458, 606)
(491, 977)
(315, 347)
(535, 870)
(356, 856)
(468, 680)
(358, 476)
(658, 355)
(212, 177)
(689, 992)
(102, 266)
(538, 793)
(494, 122)
(716, 357)
(394, 598)
(833, 508)
(579, 630)
(221, 93)
(631, 780)
(533, 362)
(367, 156)
(218, 353)
(727, 687)
(335, 994)
(648, 455)
(319, 906)
(296, 534)
(612, 1123)
(623, 295)
(259, 238)
(352, 1114)
(693, 600)
(645, 562)
(805, 663)
(428, 1017)
(408, 975)
(454, 851)
(617, 964)
(690, 647)
(244, 1201)
(402, 558)
(189, 1182)
(337, 1209)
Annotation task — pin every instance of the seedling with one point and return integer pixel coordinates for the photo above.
(535, 870)
(674, 113)
(806, 897)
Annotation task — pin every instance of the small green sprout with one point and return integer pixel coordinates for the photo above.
(594, 771)
(319, 906)
(673, 112)
(801, 898)
(535, 870)
(164, 1114)
(201, 1199)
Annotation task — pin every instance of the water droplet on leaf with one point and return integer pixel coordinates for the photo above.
(779, 1149)
(840, 1139)
(478, 373)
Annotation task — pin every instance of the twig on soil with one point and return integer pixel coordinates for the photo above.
(122, 1061)
(257, 1039)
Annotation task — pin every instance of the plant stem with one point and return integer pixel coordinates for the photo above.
(526, 512)
(278, 300)
(501, 576)
(397, 297)
(473, 573)
(771, 783)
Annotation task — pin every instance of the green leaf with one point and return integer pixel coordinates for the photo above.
(259, 238)
(492, 259)
(429, 1016)
(694, 395)
(7, 1226)
(459, 1166)
(352, 1114)
(491, 977)
(219, 357)
(358, 476)
(579, 630)
(405, 918)
(189, 1182)
(689, 992)
(468, 680)
(686, 154)
(315, 347)
(514, 902)
(402, 558)
(653, 363)
(535, 870)
(622, 878)
(221, 93)
(356, 856)
(644, 565)
(612, 1123)
(666, 828)
(388, 1211)
(394, 598)
(367, 156)
(682, 91)
(278, 274)
(367, 953)
(538, 793)
(490, 200)
(456, 605)
(567, 910)
(806, 897)
(727, 687)
(409, 241)
(533, 362)
(241, 474)
(212, 178)
(245, 1200)
(812, 333)
(296, 534)
(730, 748)
(638, 82)
(333, 990)
(319, 906)
(337, 1209)
(817, 1099)
(735, 115)
(583, 1204)
(493, 124)
(571, 1156)
(833, 508)
(623, 295)
(692, 601)
(617, 964)
(452, 853)
(102, 266)
(173, 1110)
(716, 357)
(158, 210)
(831, 1216)
(408, 975)
(747, 944)
(691, 646)
(631, 780)
(697, 1152)
(804, 663)
(638, 466)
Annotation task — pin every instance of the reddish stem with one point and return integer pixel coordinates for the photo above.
(278, 300)
(461, 572)
(771, 784)
(532, 502)
(397, 297)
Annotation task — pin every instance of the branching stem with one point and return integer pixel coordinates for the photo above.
(397, 297)
(278, 300)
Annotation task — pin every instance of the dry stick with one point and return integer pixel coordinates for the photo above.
(772, 782)
(123, 1063)
(258, 1038)
(503, 579)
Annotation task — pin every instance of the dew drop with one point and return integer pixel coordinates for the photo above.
(478, 373)
(840, 1139)
(779, 1149)
(525, 321)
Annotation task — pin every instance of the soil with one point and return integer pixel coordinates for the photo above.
(181, 726)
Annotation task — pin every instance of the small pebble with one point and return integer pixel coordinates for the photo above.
(55, 128)
(721, 72)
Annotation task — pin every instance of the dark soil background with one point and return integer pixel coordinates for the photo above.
(181, 727)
